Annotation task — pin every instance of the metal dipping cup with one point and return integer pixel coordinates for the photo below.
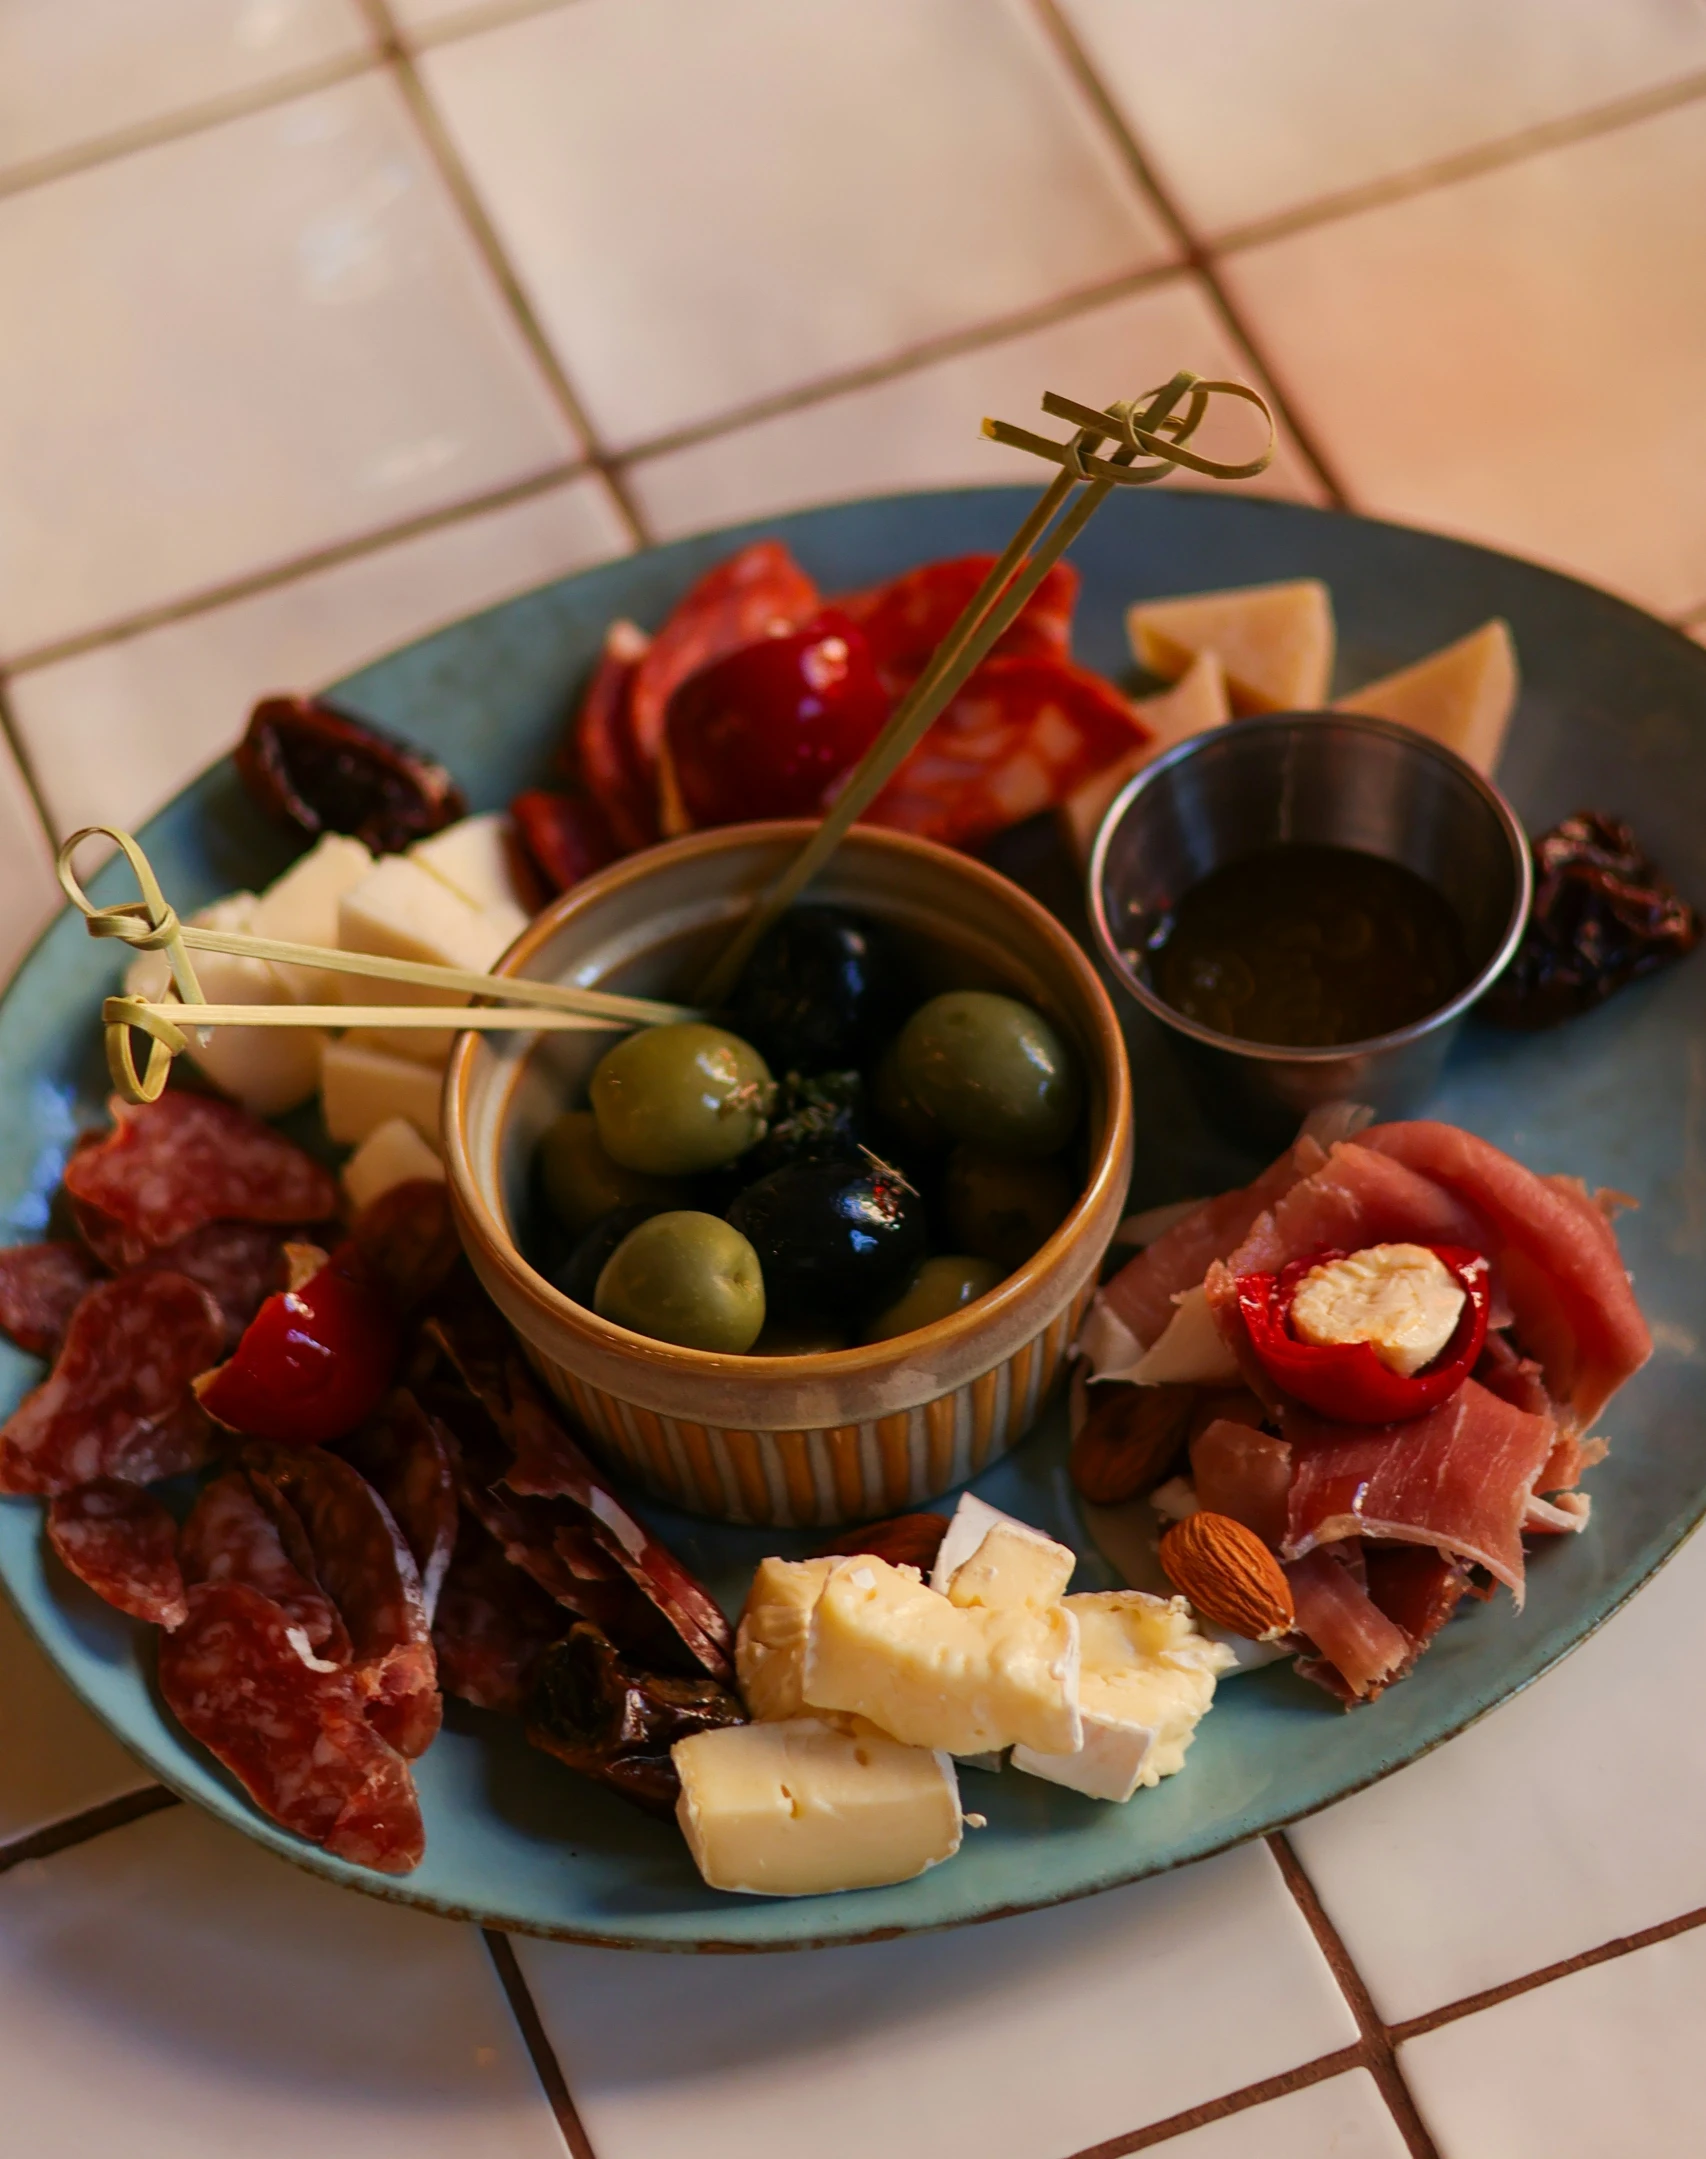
(1333, 779)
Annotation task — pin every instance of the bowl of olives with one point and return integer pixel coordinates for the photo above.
(818, 1256)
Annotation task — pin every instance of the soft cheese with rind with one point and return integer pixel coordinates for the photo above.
(884, 1646)
(801, 1808)
(1013, 1568)
(1146, 1681)
(770, 1644)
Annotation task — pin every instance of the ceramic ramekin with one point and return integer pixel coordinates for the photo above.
(818, 1440)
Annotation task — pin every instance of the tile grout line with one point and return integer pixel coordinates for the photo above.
(1196, 256)
(82, 1828)
(1247, 2096)
(1382, 2060)
(13, 736)
(476, 20)
(455, 175)
(546, 2066)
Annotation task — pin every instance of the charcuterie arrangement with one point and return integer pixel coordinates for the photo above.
(284, 1426)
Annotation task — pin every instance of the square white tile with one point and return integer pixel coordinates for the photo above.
(1023, 2040)
(55, 1760)
(74, 72)
(1516, 358)
(1248, 108)
(239, 347)
(1568, 1818)
(709, 205)
(920, 429)
(113, 732)
(28, 892)
(1343, 2117)
(169, 1990)
(1603, 2064)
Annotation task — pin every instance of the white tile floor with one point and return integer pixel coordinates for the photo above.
(328, 321)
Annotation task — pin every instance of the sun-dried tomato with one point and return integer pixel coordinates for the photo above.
(318, 770)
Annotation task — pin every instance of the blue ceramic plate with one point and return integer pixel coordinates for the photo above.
(1613, 715)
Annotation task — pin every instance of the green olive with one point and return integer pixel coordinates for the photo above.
(676, 1101)
(687, 1278)
(782, 1338)
(939, 1287)
(909, 1120)
(584, 1185)
(991, 1070)
(1002, 1209)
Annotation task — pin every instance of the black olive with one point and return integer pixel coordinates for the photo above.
(822, 990)
(577, 1277)
(833, 1238)
(817, 1119)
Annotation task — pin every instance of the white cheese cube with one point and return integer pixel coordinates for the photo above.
(401, 911)
(420, 1045)
(1146, 1680)
(361, 1089)
(1013, 1567)
(392, 1153)
(1400, 1299)
(884, 1647)
(799, 1809)
(475, 857)
(301, 908)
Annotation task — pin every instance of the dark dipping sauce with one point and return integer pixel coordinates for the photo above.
(1309, 947)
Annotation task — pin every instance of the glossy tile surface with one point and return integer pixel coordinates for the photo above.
(1343, 2117)
(245, 345)
(113, 732)
(55, 1760)
(1049, 2032)
(778, 194)
(919, 429)
(167, 1988)
(1493, 314)
(1250, 108)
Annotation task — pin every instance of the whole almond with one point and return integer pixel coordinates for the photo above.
(1130, 1440)
(1230, 1576)
(904, 1540)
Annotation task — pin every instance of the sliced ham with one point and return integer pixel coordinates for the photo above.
(1245, 1472)
(1563, 1274)
(1459, 1479)
(1418, 1587)
(1355, 1198)
(1338, 1617)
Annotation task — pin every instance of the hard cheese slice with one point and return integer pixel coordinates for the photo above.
(392, 1154)
(770, 1646)
(799, 1808)
(1274, 641)
(362, 1088)
(1462, 695)
(1194, 704)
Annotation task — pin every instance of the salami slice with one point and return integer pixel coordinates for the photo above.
(567, 837)
(407, 1240)
(606, 755)
(41, 1285)
(907, 618)
(291, 1728)
(1020, 737)
(243, 1529)
(119, 1540)
(241, 1263)
(760, 592)
(368, 1571)
(405, 1455)
(493, 1624)
(168, 1167)
(118, 1402)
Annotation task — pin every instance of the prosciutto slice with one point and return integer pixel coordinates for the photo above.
(1557, 1253)
(1355, 1198)
(1336, 1614)
(1245, 1472)
(1459, 1479)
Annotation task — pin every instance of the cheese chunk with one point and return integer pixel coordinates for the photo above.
(1398, 1298)
(392, 1153)
(968, 1525)
(799, 1809)
(301, 908)
(1146, 1681)
(475, 858)
(361, 1089)
(1194, 704)
(885, 1647)
(1462, 695)
(770, 1644)
(1275, 642)
(420, 1045)
(404, 912)
(1013, 1567)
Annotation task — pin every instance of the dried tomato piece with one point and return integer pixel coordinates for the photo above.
(1604, 915)
(315, 769)
(603, 753)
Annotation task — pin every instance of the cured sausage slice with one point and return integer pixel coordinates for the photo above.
(606, 755)
(405, 1455)
(907, 618)
(118, 1401)
(493, 1624)
(241, 1263)
(290, 1727)
(41, 1285)
(120, 1541)
(168, 1167)
(368, 1571)
(243, 1529)
(407, 1240)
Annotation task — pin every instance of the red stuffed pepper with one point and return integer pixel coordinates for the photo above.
(315, 1362)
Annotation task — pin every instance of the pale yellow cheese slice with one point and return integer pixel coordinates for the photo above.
(1274, 641)
(1462, 695)
(361, 1089)
(1013, 1567)
(770, 1644)
(1195, 703)
(392, 1154)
